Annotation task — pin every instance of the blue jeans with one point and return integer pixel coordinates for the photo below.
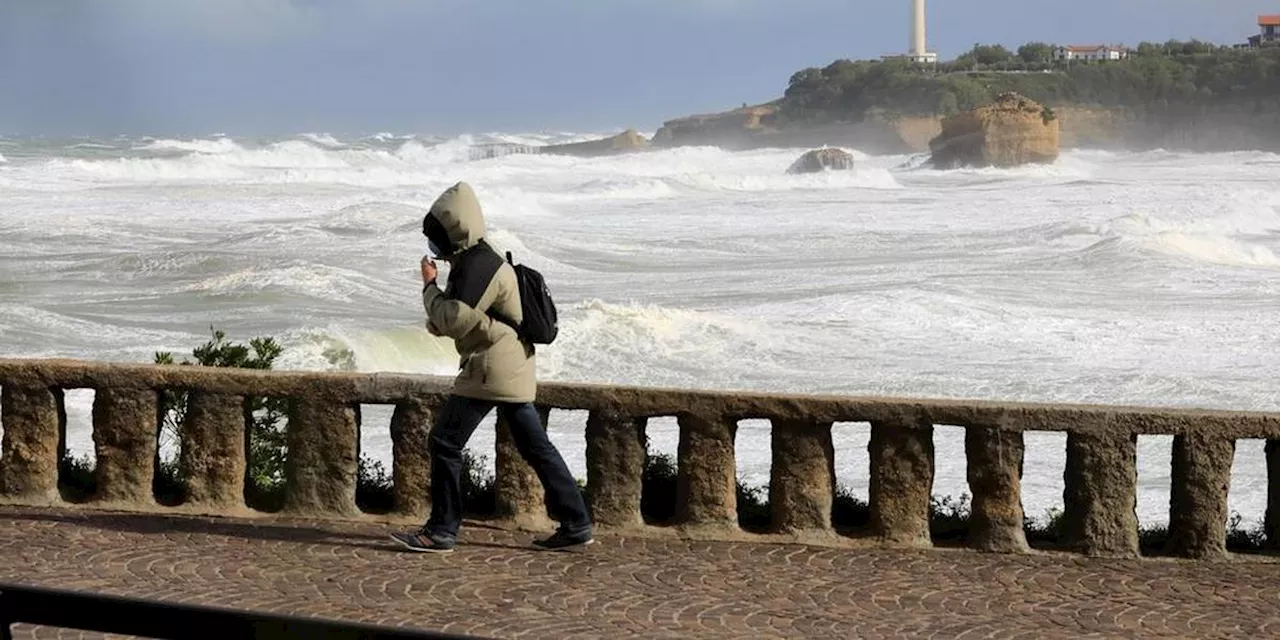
(453, 428)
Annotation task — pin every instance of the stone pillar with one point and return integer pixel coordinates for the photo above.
(1100, 497)
(707, 484)
(801, 484)
(411, 468)
(321, 465)
(994, 460)
(518, 494)
(615, 469)
(1271, 521)
(124, 439)
(901, 454)
(212, 456)
(1198, 495)
(32, 437)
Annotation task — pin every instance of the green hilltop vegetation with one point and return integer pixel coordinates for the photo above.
(1173, 77)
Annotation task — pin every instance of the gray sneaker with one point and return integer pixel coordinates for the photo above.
(423, 541)
(563, 539)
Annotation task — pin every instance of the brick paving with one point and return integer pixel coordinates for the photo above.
(497, 586)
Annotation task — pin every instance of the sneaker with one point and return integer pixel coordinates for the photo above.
(563, 539)
(423, 541)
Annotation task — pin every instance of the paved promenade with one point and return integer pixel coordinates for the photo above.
(497, 586)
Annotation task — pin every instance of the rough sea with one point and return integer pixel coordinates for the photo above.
(1136, 278)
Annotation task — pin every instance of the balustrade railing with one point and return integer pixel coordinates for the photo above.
(323, 436)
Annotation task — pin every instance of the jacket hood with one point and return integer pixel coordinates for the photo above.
(455, 222)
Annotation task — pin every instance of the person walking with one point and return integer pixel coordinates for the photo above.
(479, 311)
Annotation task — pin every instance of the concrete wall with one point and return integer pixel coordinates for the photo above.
(1101, 476)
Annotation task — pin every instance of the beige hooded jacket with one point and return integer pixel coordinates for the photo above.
(495, 364)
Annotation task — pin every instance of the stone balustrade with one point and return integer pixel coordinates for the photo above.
(323, 436)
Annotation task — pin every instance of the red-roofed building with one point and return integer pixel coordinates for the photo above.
(1268, 31)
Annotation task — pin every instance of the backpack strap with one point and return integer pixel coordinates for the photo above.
(503, 318)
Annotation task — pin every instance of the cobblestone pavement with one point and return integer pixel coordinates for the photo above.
(497, 586)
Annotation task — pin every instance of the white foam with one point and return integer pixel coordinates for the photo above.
(407, 349)
(1218, 239)
(323, 140)
(296, 277)
(208, 146)
(1216, 249)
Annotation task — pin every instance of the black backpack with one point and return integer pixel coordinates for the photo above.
(540, 324)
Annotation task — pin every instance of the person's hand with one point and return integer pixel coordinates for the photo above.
(429, 271)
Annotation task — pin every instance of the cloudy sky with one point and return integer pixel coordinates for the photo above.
(449, 66)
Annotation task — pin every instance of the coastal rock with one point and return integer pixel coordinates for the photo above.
(624, 142)
(1010, 132)
(762, 126)
(820, 160)
(718, 129)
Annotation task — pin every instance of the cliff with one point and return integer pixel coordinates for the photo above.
(1220, 129)
(761, 126)
(1176, 95)
(1009, 132)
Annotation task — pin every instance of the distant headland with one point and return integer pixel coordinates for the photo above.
(1176, 95)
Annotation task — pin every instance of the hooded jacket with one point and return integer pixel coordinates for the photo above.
(495, 364)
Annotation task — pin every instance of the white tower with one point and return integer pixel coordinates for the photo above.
(917, 29)
(919, 52)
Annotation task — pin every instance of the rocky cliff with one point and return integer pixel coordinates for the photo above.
(1080, 126)
(760, 126)
(1009, 132)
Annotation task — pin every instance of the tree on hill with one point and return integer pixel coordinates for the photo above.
(1036, 53)
(986, 55)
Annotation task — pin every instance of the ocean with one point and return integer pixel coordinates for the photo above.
(1136, 278)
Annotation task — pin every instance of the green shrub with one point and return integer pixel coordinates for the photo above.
(659, 489)
(266, 445)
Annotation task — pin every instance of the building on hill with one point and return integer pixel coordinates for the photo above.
(1090, 53)
(1268, 31)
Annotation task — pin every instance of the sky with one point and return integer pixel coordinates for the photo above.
(262, 67)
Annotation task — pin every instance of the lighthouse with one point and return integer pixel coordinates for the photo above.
(918, 52)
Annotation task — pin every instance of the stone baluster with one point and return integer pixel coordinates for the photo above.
(519, 499)
(212, 457)
(411, 471)
(901, 454)
(33, 432)
(616, 451)
(801, 484)
(124, 439)
(706, 485)
(1201, 476)
(1272, 522)
(1100, 497)
(994, 465)
(320, 469)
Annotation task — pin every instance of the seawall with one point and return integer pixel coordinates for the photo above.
(323, 441)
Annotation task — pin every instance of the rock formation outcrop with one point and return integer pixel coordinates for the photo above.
(822, 159)
(715, 128)
(1009, 132)
(624, 142)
